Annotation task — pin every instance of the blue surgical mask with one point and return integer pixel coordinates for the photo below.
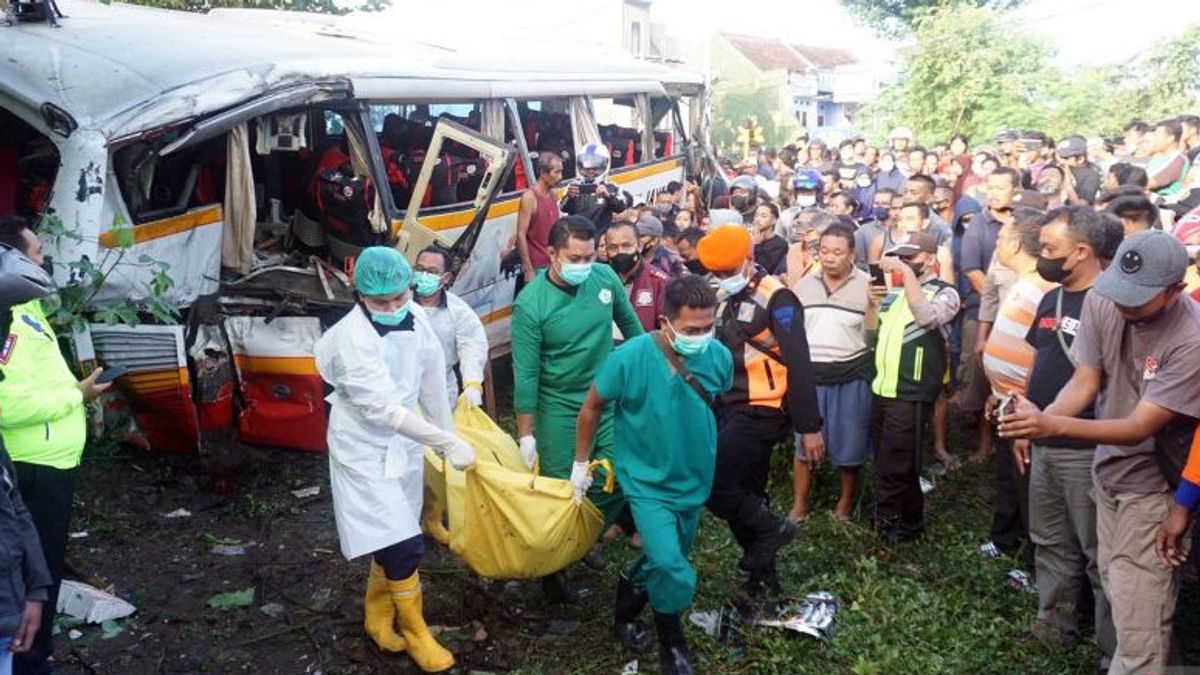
(575, 273)
(392, 319)
(427, 283)
(734, 284)
(690, 345)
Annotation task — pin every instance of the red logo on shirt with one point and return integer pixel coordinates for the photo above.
(1048, 323)
(1150, 369)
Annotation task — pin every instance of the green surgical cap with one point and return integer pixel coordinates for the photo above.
(381, 270)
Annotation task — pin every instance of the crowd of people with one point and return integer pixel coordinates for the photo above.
(865, 294)
(841, 302)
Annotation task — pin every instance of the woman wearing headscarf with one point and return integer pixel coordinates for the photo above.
(863, 192)
(889, 177)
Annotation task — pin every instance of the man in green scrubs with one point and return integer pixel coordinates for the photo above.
(561, 335)
(662, 386)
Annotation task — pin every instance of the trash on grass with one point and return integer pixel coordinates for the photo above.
(926, 485)
(178, 513)
(1019, 580)
(304, 493)
(75, 634)
(321, 597)
(78, 535)
(90, 603)
(110, 629)
(273, 610)
(813, 616)
(630, 668)
(242, 598)
(63, 622)
(227, 549)
(718, 624)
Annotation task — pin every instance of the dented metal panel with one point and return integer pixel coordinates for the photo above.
(155, 407)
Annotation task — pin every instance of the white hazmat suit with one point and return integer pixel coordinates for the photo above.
(376, 437)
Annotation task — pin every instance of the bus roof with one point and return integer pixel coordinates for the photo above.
(121, 69)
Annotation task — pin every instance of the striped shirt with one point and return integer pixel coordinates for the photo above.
(835, 322)
(1007, 358)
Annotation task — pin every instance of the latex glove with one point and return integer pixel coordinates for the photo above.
(528, 445)
(473, 394)
(581, 480)
(459, 454)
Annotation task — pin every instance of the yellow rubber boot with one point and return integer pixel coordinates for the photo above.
(379, 612)
(425, 651)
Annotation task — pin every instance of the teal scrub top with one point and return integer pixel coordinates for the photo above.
(665, 443)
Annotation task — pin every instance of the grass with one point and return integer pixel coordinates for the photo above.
(930, 606)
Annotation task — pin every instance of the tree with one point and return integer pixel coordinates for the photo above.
(969, 72)
(1171, 82)
(319, 6)
(732, 110)
(895, 18)
(1092, 101)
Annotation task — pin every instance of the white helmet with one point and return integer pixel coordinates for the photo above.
(592, 156)
(20, 279)
(901, 132)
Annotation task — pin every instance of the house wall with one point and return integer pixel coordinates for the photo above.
(742, 89)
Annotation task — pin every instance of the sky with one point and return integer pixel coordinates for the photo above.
(1083, 32)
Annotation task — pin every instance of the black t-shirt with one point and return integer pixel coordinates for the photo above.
(599, 211)
(1051, 367)
(771, 255)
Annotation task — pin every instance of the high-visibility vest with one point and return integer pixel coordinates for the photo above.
(910, 359)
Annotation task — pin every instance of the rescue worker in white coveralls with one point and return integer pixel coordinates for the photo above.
(458, 328)
(383, 359)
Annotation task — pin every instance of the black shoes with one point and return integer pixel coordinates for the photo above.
(630, 602)
(672, 650)
(772, 532)
(900, 532)
(763, 583)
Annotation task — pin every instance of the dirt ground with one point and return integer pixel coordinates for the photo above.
(307, 600)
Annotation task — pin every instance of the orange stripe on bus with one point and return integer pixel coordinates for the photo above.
(496, 315)
(277, 365)
(167, 226)
(645, 171)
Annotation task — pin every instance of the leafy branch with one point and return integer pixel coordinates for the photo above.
(75, 304)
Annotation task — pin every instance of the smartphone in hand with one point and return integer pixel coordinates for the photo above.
(111, 373)
(877, 278)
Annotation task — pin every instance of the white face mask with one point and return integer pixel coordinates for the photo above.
(734, 284)
(806, 199)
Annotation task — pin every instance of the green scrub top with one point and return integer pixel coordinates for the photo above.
(560, 338)
(665, 435)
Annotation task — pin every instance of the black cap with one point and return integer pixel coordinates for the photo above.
(1072, 146)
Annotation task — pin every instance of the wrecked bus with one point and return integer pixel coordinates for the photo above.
(250, 154)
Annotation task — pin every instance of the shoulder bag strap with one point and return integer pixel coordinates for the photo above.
(1058, 331)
